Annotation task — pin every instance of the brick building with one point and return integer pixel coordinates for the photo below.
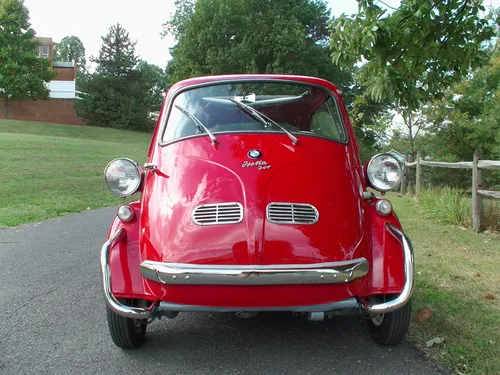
(63, 86)
(59, 107)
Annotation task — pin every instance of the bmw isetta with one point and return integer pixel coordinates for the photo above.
(253, 198)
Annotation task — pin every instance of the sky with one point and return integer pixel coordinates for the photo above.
(91, 19)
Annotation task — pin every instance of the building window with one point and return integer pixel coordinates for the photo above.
(43, 51)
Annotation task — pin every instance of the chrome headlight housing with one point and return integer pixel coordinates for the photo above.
(123, 177)
(384, 172)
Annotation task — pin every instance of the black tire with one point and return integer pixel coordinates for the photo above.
(391, 328)
(126, 333)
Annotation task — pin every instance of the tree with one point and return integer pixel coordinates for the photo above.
(411, 55)
(468, 117)
(118, 94)
(71, 48)
(22, 74)
(117, 53)
(369, 119)
(155, 83)
(184, 9)
(253, 36)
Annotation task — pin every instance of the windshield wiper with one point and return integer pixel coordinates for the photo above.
(250, 111)
(260, 117)
(198, 124)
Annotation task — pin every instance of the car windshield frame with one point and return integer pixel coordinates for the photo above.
(163, 121)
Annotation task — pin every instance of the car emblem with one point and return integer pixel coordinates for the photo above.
(254, 154)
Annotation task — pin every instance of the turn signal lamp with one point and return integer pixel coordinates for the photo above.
(383, 207)
(125, 213)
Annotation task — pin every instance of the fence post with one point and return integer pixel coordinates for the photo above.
(477, 201)
(405, 174)
(418, 181)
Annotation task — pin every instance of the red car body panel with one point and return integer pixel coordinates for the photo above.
(192, 172)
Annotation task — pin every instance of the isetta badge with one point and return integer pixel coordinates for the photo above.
(260, 164)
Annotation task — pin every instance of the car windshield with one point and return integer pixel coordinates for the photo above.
(290, 108)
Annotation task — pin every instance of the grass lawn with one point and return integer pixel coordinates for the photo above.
(455, 270)
(50, 170)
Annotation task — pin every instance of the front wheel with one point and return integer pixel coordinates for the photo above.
(391, 328)
(126, 333)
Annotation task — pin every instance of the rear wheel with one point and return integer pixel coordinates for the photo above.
(391, 328)
(126, 333)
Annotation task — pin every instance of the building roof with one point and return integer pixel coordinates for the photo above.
(63, 64)
(44, 40)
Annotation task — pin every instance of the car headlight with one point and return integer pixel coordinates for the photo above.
(123, 177)
(384, 172)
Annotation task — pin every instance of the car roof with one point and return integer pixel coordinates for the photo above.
(257, 77)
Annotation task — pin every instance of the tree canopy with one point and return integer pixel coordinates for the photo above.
(154, 81)
(184, 9)
(71, 48)
(252, 36)
(468, 117)
(117, 53)
(22, 73)
(412, 54)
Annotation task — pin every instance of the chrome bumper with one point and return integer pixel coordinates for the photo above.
(320, 273)
(404, 297)
(286, 274)
(113, 303)
(349, 306)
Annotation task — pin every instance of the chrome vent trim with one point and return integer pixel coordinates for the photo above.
(218, 214)
(292, 213)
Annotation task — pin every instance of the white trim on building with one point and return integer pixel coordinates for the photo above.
(62, 89)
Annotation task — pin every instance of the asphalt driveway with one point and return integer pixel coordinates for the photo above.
(53, 321)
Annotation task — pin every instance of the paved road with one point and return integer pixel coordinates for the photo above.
(52, 321)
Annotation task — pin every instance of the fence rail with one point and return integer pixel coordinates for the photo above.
(483, 164)
(477, 165)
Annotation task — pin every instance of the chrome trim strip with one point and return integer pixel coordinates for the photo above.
(407, 292)
(113, 303)
(299, 206)
(286, 274)
(348, 304)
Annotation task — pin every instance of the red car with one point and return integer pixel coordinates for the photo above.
(254, 199)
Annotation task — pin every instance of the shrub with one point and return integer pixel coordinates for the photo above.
(446, 204)
(491, 214)
(454, 206)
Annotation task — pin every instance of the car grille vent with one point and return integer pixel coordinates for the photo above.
(292, 213)
(216, 214)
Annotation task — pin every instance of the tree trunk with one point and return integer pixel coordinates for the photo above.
(6, 108)
(404, 181)
(418, 180)
(410, 132)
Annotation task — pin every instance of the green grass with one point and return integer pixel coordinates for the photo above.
(50, 170)
(455, 268)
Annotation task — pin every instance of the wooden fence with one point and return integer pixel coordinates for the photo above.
(477, 165)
